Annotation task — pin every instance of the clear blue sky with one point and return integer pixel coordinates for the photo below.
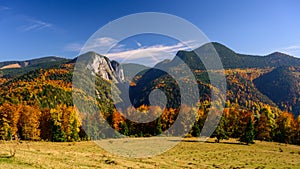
(31, 29)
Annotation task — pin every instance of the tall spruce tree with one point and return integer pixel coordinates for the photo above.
(248, 136)
(220, 132)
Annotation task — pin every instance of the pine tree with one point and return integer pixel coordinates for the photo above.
(158, 129)
(220, 132)
(248, 136)
(124, 129)
(57, 135)
(196, 129)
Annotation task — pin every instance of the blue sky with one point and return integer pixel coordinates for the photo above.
(31, 29)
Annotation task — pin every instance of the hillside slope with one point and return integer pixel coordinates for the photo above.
(232, 60)
(45, 94)
(282, 85)
(13, 69)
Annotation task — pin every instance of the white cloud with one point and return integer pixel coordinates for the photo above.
(35, 25)
(292, 50)
(99, 44)
(151, 55)
(73, 47)
(147, 55)
(105, 41)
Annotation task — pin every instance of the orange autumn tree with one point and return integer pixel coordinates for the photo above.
(9, 116)
(285, 127)
(28, 125)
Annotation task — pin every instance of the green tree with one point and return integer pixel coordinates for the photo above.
(248, 136)
(196, 129)
(271, 119)
(158, 128)
(220, 132)
(124, 128)
(57, 135)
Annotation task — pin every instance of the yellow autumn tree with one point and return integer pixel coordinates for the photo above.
(9, 116)
(29, 121)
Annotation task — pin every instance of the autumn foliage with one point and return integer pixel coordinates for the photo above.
(39, 106)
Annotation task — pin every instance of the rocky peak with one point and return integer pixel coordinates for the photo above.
(102, 66)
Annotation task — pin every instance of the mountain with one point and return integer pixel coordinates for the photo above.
(44, 92)
(12, 69)
(250, 79)
(232, 60)
(100, 65)
(282, 85)
(131, 69)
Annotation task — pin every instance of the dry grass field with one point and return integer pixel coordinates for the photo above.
(187, 154)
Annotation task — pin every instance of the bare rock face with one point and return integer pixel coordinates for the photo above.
(103, 67)
(118, 69)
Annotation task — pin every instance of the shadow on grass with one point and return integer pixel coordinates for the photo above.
(5, 156)
(192, 141)
(234, 143)
(211, 142)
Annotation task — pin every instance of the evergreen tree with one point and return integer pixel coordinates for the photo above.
(158, 128)
(220, 132)
(124, 129)
(248, 136)
(196, 129)
(57, 135)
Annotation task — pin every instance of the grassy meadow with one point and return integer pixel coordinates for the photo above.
(187, 154)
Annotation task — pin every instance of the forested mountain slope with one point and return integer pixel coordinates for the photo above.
(41, 93)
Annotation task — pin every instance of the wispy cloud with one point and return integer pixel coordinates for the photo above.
(138, 44)
(35, 25)
(151, 55)
(4, 8)
(147, 55)
(292, 50)
(73, 47)
(102, 44)
(96, 45)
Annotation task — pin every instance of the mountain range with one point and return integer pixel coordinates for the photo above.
(272, 80)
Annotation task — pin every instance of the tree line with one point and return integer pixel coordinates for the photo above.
(63, 123)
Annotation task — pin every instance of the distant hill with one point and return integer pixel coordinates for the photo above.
(231, 59)
(131, 69)
(249, 80)
(282, 85)
(12, 69)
